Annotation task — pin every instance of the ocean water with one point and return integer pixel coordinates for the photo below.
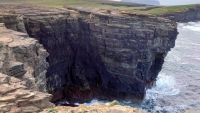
(178, 84)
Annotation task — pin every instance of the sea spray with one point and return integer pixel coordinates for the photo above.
(193, 26)
(165, 85)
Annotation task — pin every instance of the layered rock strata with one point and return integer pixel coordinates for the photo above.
(23, 60)
(107, 54)
(188, 15)
(15, 98)
(23, 57)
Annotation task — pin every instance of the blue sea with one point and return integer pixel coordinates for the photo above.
(178, 84)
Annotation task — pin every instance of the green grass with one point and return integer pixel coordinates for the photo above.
(113, 103)
(52, 110)
(79, 3)
(169, 9)
(103, 4)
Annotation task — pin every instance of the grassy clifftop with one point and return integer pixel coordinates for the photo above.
(170, 9)
(79, 3)
(157, 10)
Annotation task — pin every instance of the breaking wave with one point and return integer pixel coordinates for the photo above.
(193, 26)
(165, 86)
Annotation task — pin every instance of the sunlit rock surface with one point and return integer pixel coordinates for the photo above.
(23, 57)
(15, 97)
(112, 107)
(23, 60)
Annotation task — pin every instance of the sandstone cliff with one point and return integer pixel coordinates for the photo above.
(107, 54)
(23, 60)
(15, 97)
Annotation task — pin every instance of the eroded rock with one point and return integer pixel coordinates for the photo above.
(19, 58)
(15, 98)
(107, 54)
(23, 57)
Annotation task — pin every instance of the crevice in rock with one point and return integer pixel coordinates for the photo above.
(155, 69)
(89, 58)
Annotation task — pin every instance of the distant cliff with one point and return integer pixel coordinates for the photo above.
(187, 15)
(96, 53)
(149, 2)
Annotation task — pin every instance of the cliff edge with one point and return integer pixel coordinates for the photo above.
(187, 15)
(24, 58)
(19, 61)
(95, 53)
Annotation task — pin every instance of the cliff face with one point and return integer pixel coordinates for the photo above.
(22, 60)
(96, 53)
(191, 14)
(17, 98)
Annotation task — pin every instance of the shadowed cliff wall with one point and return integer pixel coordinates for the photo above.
(97, 53)
(190, 14)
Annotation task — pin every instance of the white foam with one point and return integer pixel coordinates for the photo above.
(165, 85)
(92, 102)
(194, 26)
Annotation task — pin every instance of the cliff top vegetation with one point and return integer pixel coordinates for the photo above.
(157, 10)
(170, 9)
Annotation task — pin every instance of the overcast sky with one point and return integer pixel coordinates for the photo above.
(176, 2)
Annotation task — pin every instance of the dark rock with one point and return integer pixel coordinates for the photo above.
(93, 54)
(16, 69)
(187, 15)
